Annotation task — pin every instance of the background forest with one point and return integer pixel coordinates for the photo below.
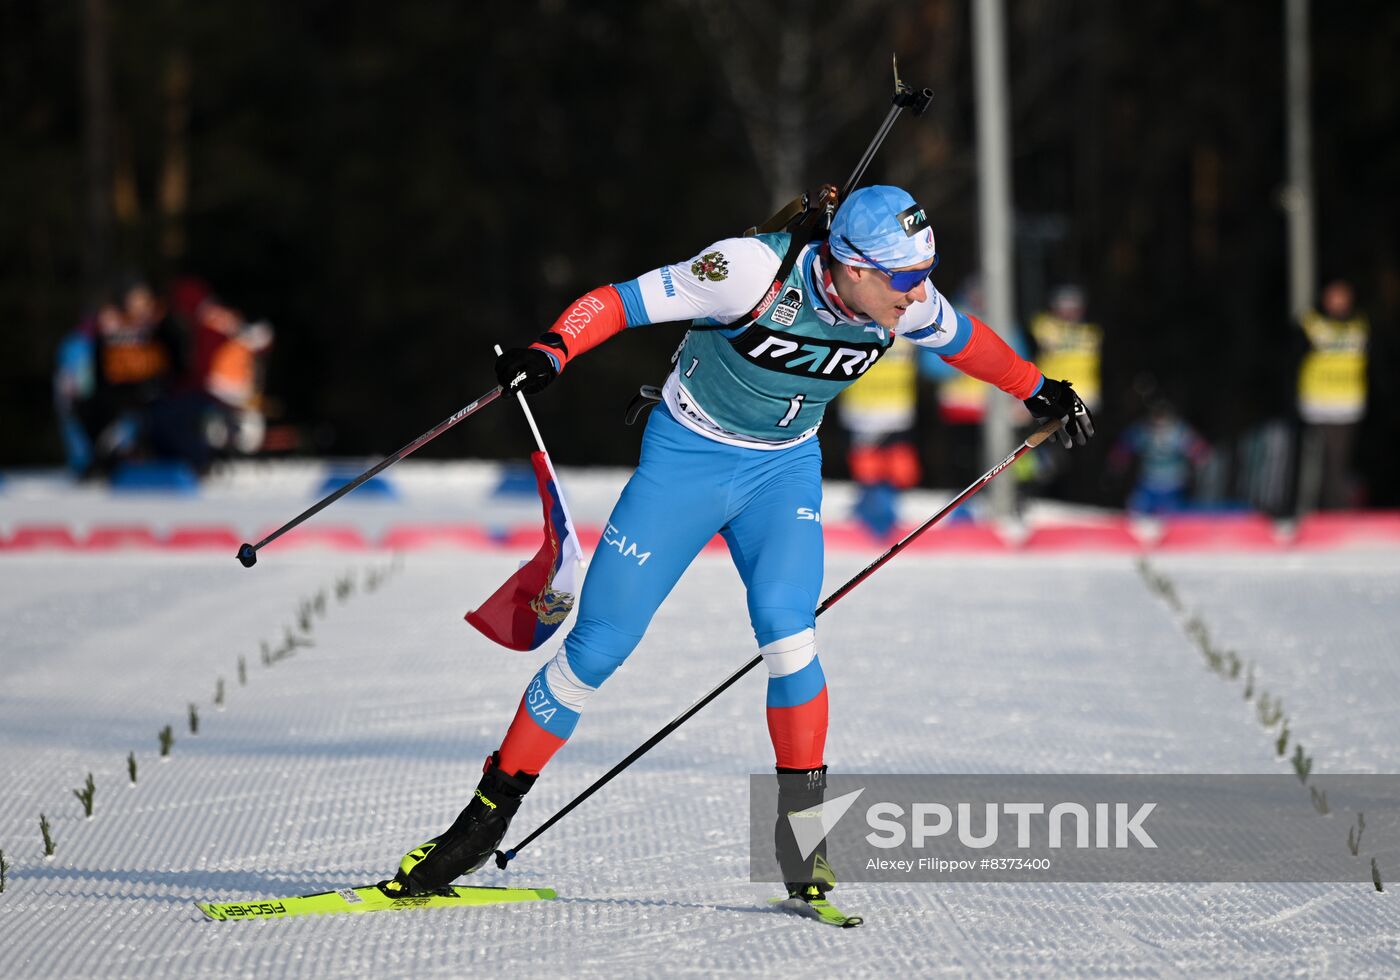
(396, 187)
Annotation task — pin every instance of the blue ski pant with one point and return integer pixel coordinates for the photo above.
(687, 488)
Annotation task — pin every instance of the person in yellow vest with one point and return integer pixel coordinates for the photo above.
(1331, 397)
(878, 412)
(962, 407)
(1064, 342)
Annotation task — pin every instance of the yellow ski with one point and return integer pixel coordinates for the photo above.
(368, 898)
(817, 909)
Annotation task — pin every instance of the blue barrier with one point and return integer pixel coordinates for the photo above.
(155, 476)
(516, 481)
(375, 488)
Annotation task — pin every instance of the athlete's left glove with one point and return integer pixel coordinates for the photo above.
(530, 369)
(1058, 400)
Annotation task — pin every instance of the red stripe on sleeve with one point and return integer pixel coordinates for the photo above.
(989, 358)
(591, 319)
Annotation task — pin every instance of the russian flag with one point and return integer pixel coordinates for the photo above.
(535, 601)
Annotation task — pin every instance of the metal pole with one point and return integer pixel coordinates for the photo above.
(1298, 195)
(994, 220)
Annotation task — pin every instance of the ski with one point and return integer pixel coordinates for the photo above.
(819, 910)
(369, 898)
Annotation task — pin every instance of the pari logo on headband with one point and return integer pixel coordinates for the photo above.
(912, 220)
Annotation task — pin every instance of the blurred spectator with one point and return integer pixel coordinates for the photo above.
(226, 368)
(135, 359)
(1066, 346)
(1331, 398)
(124, 387)
(1168, 452)
(74, 384)
(962, 399)
(878, 412)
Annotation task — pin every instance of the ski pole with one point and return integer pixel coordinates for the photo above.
(1034, 439)
(248, 553)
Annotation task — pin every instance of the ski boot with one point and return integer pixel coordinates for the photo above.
(808, 878)
(801, 791)
(466, 845)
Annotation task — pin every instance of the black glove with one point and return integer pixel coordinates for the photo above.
(529, 369)
(1058, 400)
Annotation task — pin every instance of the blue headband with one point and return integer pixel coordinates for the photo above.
(885, 223)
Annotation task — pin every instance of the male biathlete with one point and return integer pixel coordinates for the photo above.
(731, 448)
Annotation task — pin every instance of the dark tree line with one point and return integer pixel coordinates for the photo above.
(396, 187)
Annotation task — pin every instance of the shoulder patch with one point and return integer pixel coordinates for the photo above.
(712, 266)
(788, 307)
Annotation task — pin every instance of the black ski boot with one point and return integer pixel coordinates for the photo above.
(471, 839)
(810, 877)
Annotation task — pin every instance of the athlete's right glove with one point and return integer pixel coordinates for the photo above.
(530, 369)
(1058, 400)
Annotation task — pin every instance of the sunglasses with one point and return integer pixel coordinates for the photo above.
(900, 282)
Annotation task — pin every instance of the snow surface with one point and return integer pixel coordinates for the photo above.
(331, 762)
